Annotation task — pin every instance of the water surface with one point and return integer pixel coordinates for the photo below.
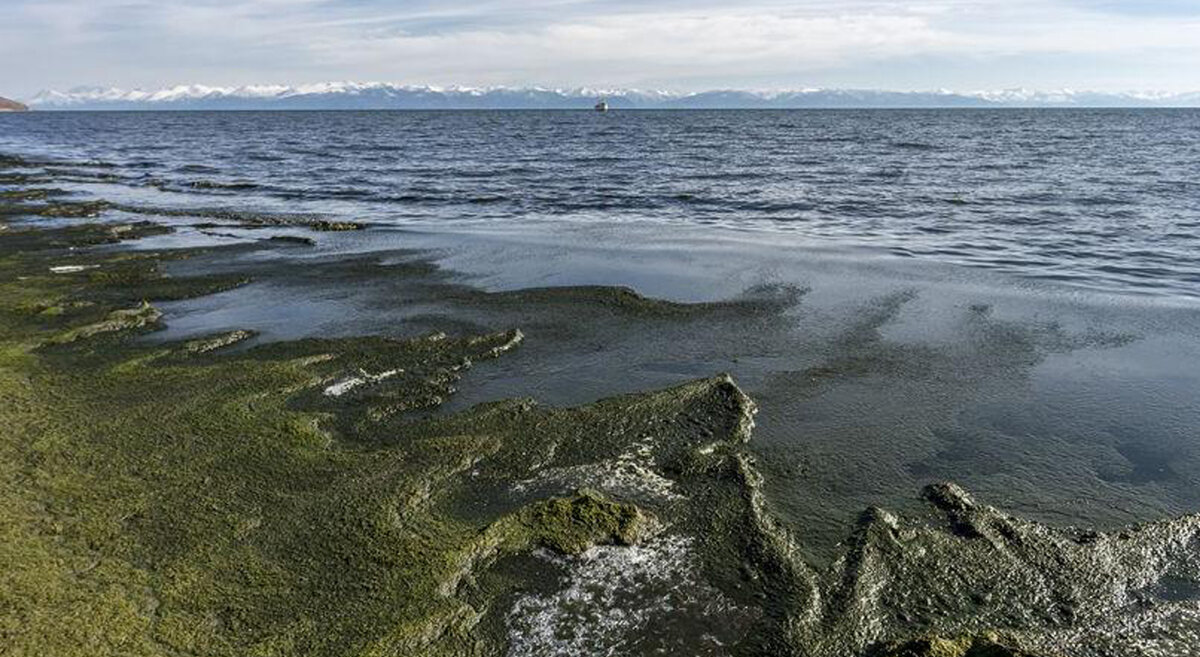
(1008, 298)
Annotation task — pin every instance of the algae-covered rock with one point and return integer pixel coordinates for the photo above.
(971, 567)
(327, 226)
(215, 342)
(292, 239)
(129, 319)
(984, 645)
(65, 209)
(80, 235)
(30, 194)
(574, 524)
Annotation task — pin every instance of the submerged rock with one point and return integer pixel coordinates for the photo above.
(326, 226)
(87, 234)
(64, 209)
(30, 194)
(292, 239)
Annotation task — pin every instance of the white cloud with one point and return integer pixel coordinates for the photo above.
(136, 42)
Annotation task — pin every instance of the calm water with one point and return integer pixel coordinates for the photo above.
(1008, 299)
(1107, 200)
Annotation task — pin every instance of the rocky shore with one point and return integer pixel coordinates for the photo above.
(225, 495)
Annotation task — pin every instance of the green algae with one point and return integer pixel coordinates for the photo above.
(191, 510)
(215, 342)
(79, 235)
(625, 301)
(292, 498)
(983, 645)
(144, 316)
(30, 194)
(223, 503)
(64, 209)
(326, 226)
(212, 504)
(572, 525)
(241, 218)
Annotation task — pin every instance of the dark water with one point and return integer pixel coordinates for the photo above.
(1007, 299)
(1103, 199)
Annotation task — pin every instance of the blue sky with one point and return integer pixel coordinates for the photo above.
(964, 45)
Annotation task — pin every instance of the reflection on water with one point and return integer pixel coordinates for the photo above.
(874, 376)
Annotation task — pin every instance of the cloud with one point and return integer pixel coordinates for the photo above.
(668, 42)
(628, 48)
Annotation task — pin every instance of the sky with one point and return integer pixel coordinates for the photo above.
(960, 45)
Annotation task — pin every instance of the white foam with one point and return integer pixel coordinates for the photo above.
(630, 475)
(71, 269)
(362, 378)
(615, 598)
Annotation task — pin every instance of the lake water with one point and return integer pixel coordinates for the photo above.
(1008, 299)
(1104, 199)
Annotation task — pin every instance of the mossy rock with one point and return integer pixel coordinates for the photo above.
(65, 209)
(129, 319)
(30, 194)
(988, 644)
(85, 234)
(335, 226)
(573, 524)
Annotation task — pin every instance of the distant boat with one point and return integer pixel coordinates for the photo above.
(602, 106)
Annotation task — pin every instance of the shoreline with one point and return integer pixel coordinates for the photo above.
(240, 508)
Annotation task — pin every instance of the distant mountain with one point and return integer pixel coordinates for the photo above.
(379, 95)
(7, 105)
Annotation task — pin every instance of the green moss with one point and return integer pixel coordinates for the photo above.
(162, 499)
(212, 343)
(245, 219)
(66, 209)
(79, 235)
(128, 319)
(625, 301)
(988, 644)
(335, 226)
(572, 525)
(30, 194)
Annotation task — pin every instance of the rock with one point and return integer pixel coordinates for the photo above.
(984, 645)
(129, 319)
(292, 239)
(572, 525)
(215, 342)
(335, 226)
(7, 105)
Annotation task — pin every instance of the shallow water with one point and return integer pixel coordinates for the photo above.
(1007, 299)
(874, 375)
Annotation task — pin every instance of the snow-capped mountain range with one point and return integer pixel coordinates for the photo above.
(382, 95)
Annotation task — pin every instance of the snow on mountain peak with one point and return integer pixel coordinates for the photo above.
(348, 94)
